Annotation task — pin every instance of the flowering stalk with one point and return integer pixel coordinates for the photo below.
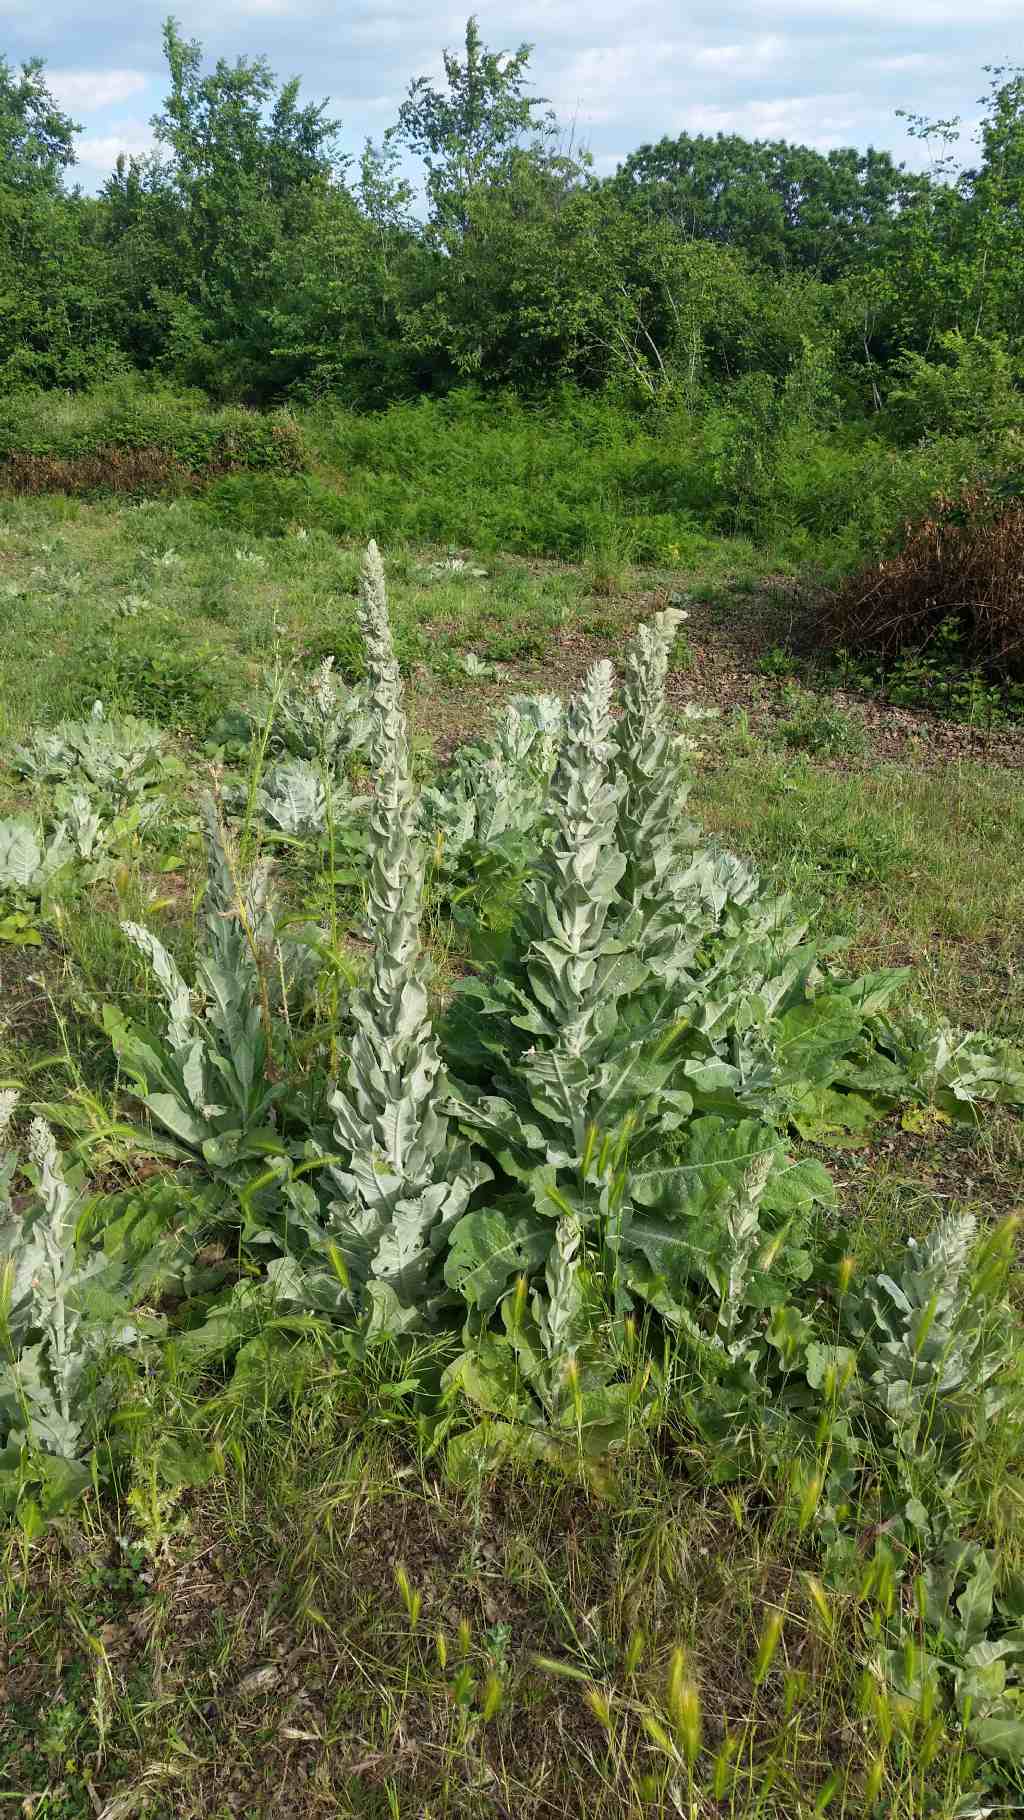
(649, 763)
(578, 876)
(404, 1186)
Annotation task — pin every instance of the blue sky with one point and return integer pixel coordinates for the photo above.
(823, 72)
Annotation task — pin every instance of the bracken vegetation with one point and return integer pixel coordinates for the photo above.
(959, 577)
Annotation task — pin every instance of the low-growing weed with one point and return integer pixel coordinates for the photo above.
(819, 727)
(155, 676)
(937, 679)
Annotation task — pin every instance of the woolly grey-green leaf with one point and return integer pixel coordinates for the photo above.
(48, 1343)
(493, 799)
(207, 1077)
(406, 1184)
(121, 758)
(318, 717)
(29, 862)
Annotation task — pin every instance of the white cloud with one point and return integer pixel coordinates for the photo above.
(98, 152)
(741, 59)
(594, 83)
(87, 91)
(822, 121)
(820, 71)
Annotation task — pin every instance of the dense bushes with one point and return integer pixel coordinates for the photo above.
(123, 438)
(252, 258)
(595, 474)
(748, 339)
(580, 473)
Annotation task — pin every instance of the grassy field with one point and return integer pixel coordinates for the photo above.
(329, 1624)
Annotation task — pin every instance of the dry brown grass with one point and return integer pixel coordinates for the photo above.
(963, 565)
(104, 470)
(121, 467)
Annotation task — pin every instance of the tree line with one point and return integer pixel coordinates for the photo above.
(250, 256)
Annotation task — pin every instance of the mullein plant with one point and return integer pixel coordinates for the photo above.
(120, 759)
(652, 836)
(539, 1044)
(207, 1077)
(933, 1347)
(46, 1342)
(403, 1182)
(573, 1058)
(572, 1064)
(491, 807)
(700, 919)
(765, 1029)
(319, 718)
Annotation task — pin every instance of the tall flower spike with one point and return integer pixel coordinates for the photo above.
(55, 1274)
(578, 873)
(374, 619)
(8, 1101)
(649, 755)
(404, 1186)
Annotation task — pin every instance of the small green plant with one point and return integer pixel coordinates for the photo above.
(319, 718)
(32, 872)
(157, 676)
(208, 1078)
(120, 759)
(819, 727)
(778, 662)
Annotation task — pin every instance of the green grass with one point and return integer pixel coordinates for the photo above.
(329, 1628)
(913, 867)
(246, 1644)
(578, 476)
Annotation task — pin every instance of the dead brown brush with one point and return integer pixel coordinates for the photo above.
(149, 467)
(104, 470)
(963, 566)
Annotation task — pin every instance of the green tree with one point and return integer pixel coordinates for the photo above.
(469, 134)
(788, 207)
(143, 225)
(249, 166)
(343, 291)
(953, 267)
(995, 210)
(54, 281)
(37, 139)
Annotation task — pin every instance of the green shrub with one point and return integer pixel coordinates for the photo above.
(123, 438)
(269, 505)
(967, 386)
(554, 481)
(578, 474)
(160, 677)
